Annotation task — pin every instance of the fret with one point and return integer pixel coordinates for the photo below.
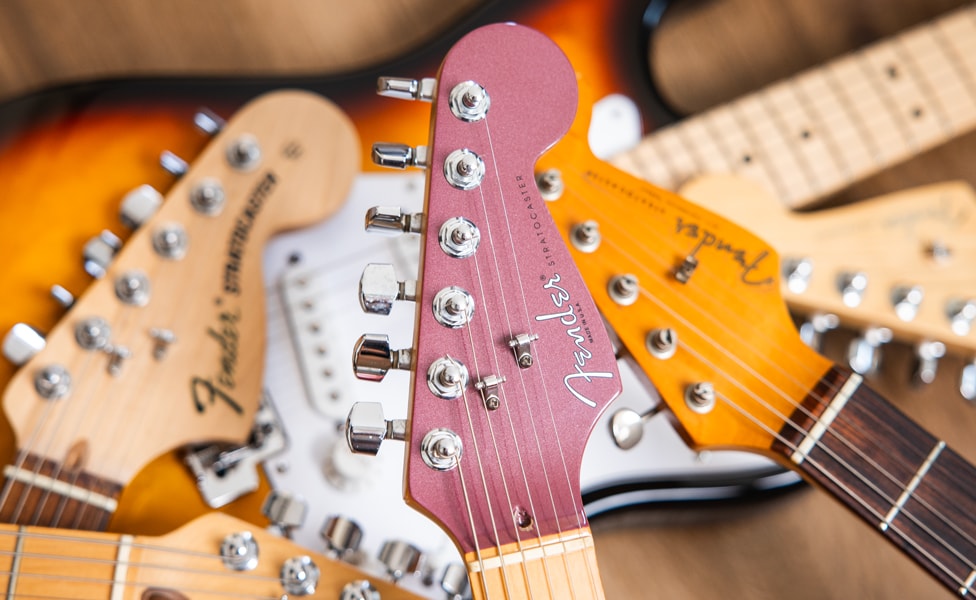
(711, 157)
(120, 576)
(675, 155)
(940, 68)
(830, 412)
(909, 486)
(874, 108)
(959, 34)
(767, 135)
(967, 586)
(44, 492)
(14, 570)
(741, 152)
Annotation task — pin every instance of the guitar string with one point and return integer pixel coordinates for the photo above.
(474, 530)
(522, 376)
(839, 437)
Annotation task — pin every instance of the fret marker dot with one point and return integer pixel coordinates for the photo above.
(746, 158)
(892, 72)
(805, 134)
(916, 112)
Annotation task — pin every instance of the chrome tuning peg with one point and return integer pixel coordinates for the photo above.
(173, 164)
(399, 156)
(961, 315)
(864, 353)
(22, 343)
(400, 558)
(627, 425)
(62, 296)
(285, 511)
(797, 273)
(906, 300)
(139, 205)
(360, 589)
(967, 381)
(379, 288)
(99, 252)
(407, 89)
(455, 582)
(372, 357)
(366, 428)
(852, 285)
(208, 122)
(342, 536)
(392, 220)
(927, 355)
(812, 330)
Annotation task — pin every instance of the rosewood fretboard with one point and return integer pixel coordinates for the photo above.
(910, 486)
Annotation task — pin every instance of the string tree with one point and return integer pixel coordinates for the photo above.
(489, 387)
(521, 344)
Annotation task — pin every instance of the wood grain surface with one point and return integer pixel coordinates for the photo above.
(801, 545)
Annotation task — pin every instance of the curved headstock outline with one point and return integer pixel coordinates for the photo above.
(212, 300)
(520, 462)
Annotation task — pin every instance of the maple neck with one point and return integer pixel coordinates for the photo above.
(39, 491)
(918, 493)
(825, 128)
(556, 566)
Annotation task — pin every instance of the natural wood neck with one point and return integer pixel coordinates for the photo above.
(39, 491)
(818, 132)
(559, 566)
(911, 487)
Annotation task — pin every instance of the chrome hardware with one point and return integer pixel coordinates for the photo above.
(360, 589)
(585, 237)
(469, 101)
(173, 164)
(407, 89)
(550, 184)
(624, 289)
(967, 381)
(627, 426)
(399, 156)
(208, 121)
(225, 472)
(400, 558)
(372, 357)
(239, 551)
(662, 343)
(366, 428)
(342, 536)
(93, 333)
(345, 470)
(132, 287)
(797, 272)
(811, 331)
(62, 296)
(53, 382)
(864, 354)
(700, 397)
(379, 288)
(170, 241)
(139, 205)
(852, 286)
(244, 153)
(285, 511)
(459, 237)
(299, 576)
(453, 307)
(392, 220)
(454, 581)
(523, 519)
(162, 338)
(686, 269)
(22, 343)
(464, 169)
(927, 355)
(489, 390)
(939, 251)
(207, 197)
(441, 449)
(906, 301)
(99, 252)
(522, 345)
(117, 355)
(961, 314)
(447, 378)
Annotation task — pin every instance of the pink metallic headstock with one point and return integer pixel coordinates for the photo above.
(512, 362)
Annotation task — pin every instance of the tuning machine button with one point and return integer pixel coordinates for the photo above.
(852, 285)
(455, 582)
(139, 205)
(400, 558)
(961, 315)
(173, 164)
(372, 357)
(407, 89)
(99, 252)
(379, 288)
(208, 122)
(864, 353)
(285, 511)
(927, 355)
(342, 536)
(812, 330)
(967, 381)
(797, 272)
(399, 156)
(627, 426)
(62, 296)
(366, 428)
(22, 343)
(392, 220)
(906, 301)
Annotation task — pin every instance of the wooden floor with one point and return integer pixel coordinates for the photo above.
(799, 546)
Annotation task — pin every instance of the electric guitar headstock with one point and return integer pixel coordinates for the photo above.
(695, 300)
(167, 348)
(511, 362)
(899, 266)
